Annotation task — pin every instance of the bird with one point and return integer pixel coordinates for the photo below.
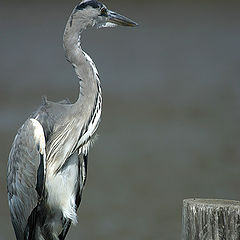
(48, 161)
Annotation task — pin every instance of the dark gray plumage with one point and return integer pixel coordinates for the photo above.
(47, 165)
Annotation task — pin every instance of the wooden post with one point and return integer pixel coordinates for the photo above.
(210, 219)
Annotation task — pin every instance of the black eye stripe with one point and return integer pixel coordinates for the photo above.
(92, 3)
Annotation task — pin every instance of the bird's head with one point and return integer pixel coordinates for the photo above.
(94, 13)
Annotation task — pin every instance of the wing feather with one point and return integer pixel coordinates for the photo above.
(25, 175)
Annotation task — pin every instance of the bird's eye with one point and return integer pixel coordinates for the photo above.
(104, 12)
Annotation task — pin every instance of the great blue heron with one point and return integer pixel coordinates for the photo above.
(47, 165)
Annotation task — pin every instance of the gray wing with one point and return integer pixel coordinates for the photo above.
(25, 174)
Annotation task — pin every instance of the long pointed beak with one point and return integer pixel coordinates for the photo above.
(118, 19)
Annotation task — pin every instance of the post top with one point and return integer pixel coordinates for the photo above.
(211, 202)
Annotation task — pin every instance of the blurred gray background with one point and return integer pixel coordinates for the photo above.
(170, 122)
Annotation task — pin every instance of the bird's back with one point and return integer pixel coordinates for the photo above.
(44, 180)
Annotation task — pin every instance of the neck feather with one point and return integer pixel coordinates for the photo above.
(82, 63)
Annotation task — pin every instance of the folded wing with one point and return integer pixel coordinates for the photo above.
(26, 174)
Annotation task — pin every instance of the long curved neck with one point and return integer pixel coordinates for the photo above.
(82, 63)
